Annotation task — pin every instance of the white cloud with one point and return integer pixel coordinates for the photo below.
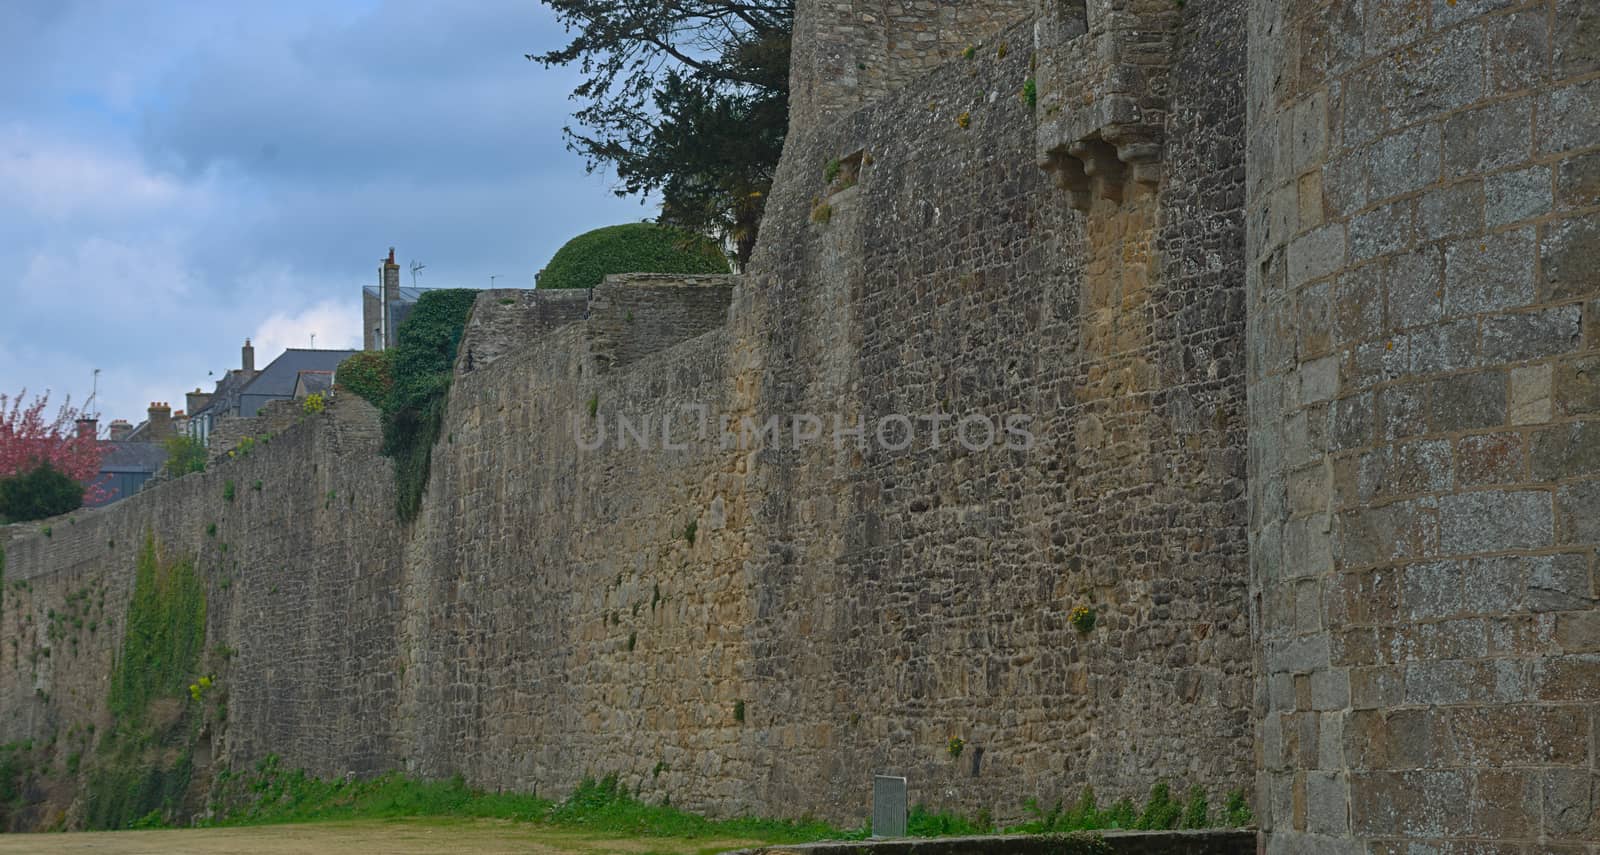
(336, 323)
(56, 178)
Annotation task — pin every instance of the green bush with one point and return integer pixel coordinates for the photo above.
(184, 455)
(369, 374)
(422, 364)
(631, 248)
(43, 491)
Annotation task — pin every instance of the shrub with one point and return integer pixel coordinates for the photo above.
(589, 258)
(422, 365)
(185, 454)
(40, 492)
(314, 404)
(369, 374)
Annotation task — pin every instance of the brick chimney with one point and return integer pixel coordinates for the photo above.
(247, 358)
(160, 426)
(197, 400)
(120, 429)
(88, 428)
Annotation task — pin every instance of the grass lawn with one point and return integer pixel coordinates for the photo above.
(412, 836)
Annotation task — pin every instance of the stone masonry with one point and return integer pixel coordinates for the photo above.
(1297, 301)
(1424, 446)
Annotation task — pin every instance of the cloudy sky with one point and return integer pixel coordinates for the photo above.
(177, 175)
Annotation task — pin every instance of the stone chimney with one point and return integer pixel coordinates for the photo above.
(197, 400)
(247, 358)
(88, 428)
(390, 296)
(120, 429)
(160, 428)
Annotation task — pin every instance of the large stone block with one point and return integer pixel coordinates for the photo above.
(1495, 521)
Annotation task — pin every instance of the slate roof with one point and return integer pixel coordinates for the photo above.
(276, 381)
(314, 381)
(134, 457)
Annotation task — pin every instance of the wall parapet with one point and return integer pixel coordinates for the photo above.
(634, 315)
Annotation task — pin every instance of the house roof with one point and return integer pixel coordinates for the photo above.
(277, 379)
(134, 457)
(314, 381)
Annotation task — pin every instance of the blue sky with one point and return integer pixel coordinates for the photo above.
(178, 176)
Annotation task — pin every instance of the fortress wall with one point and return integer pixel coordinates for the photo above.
(1424, 445)
(838, 611)
(636, 315)
(302, 587)
(850, 53)
(505, 319)
(963, 284)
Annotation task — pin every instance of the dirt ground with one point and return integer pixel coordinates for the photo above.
(398, 837)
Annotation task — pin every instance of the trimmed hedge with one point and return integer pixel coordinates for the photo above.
(589, 258)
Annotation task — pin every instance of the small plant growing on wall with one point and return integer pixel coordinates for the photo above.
(594, 405)
(314, 404)
(830, 173)
(964, 121)
(970, 52)
(821, 213)
(955, 746)
(1082, 619)
(738, 711)
(227, 490)
(211, 529)
(256, 486)
(1030, 93)
(690, 530)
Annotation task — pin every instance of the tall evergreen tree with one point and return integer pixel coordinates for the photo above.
(689, 98)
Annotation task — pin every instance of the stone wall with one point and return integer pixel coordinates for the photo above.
(1423, 444)
(759, 627)
(849, 53)
(636, 315)
(303, 589)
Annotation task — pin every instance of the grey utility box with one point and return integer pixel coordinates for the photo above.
(888, 806)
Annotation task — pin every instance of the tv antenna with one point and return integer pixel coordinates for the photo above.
(94, 389)
(492, 277)
(416, 267)
(313, 341)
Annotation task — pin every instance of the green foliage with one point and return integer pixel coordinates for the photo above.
(422, 363)
(589, 258)
(141, 775)
(1030, 93)
(271, 794)
(369, 374)
(690, 531)
(920, 822)
(185, 454)
(228, 490)
(688, 100)
(1161, 811)
(738, 711)
(1236, 810)
(43, 491)
(163, 634)
(1082, 619)
(314, 403)
(1197, 813)
(136, 790)
(821, 213)
(830, 173)
(955, 746)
